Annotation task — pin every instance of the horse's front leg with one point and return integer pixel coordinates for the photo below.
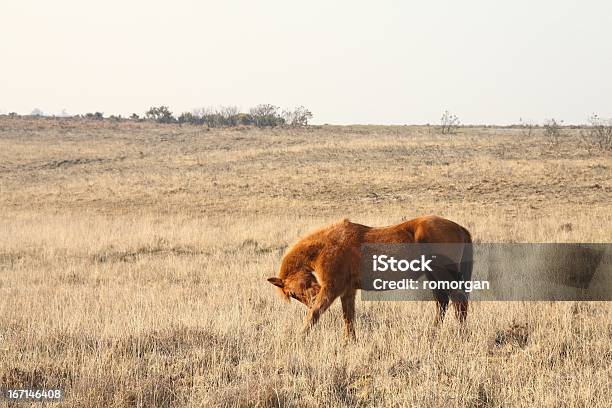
(323, 300)
(348, 310)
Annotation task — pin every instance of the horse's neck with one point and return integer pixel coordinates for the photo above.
(299, 258)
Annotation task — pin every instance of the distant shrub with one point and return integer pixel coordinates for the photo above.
(13, 115)
(245, 119)
(229, 115)
(185, 117)
(190, 117)
(266, 115)
(527, 127)
(449, 123)
(552, 131)
(223, 116)
(297, 117)
(160, 114)
(94, 116)
(598, 133)
(212, 117)
(263, 115)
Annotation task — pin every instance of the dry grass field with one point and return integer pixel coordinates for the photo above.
(120, 244)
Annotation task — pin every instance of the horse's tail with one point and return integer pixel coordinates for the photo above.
(467, 258)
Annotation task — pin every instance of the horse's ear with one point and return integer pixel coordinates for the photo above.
(276, 282)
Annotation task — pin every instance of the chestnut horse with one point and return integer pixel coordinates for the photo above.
(324, 265)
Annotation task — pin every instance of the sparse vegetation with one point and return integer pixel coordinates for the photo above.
(266, 115)
(187, 117)
(160, 114)
(229, 115)
(117, 252)
(552, 131)
(449, 123)
(223, 116)
(527, 126)
(297, 117)
(94, 116)
(598, 133)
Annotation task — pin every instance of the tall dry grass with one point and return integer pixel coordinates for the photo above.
(133, 264)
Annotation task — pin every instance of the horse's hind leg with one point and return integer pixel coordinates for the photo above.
(441, 298)
(348, 310)
(460, 302)
(324, 299)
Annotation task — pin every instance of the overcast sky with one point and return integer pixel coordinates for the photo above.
(383, 62)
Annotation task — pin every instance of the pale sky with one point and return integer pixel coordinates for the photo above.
(382, 62)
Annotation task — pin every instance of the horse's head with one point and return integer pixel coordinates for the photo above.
(302, 287)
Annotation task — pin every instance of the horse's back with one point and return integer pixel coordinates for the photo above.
(428, 228)
(431, 228)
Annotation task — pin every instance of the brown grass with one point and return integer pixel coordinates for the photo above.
(119, 241)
